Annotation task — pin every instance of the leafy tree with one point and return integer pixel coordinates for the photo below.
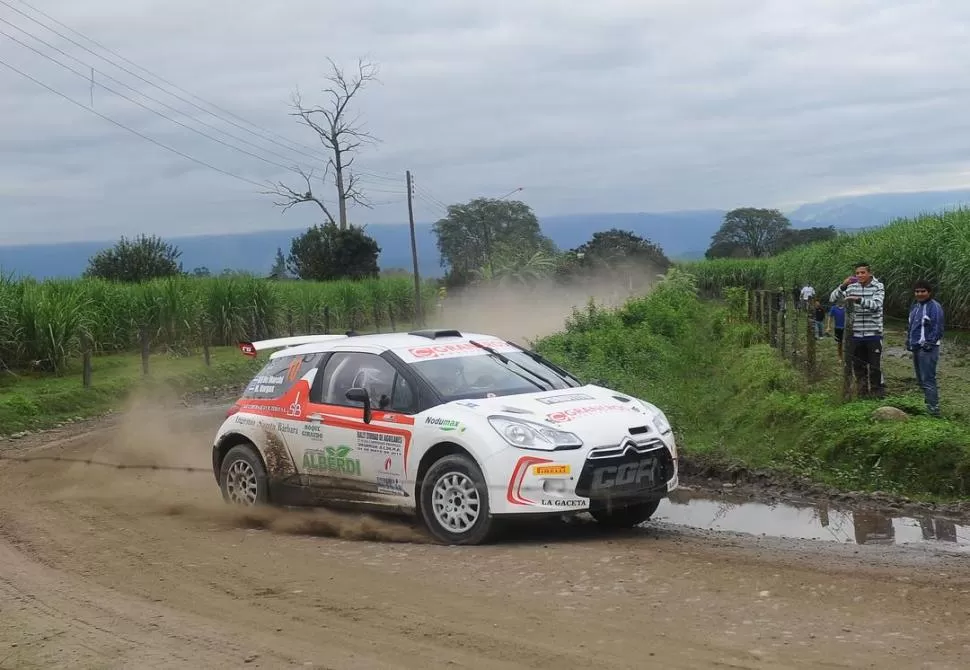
(473, 235)
(326, 252)
(621, 246)
(278, 271)
(794, 237)
(757, 231)
(616, 252)
(145, 257)
(201, 271)
(726, 249)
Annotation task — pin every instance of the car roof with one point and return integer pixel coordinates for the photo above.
(378, 343)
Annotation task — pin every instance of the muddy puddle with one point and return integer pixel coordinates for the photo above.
(809, 522)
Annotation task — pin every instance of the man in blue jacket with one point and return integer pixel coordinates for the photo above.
(923, 338)
(863, 296)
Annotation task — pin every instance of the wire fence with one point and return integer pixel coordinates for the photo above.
(792, 327)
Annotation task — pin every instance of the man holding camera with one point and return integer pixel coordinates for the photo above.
(863, 296)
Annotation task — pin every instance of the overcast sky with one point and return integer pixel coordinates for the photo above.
(615, 105)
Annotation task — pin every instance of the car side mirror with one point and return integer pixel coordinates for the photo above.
(599, 382)
(362, 396)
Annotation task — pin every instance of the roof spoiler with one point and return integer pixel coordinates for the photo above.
(251, 349)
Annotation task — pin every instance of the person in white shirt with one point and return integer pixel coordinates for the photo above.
(805, 297)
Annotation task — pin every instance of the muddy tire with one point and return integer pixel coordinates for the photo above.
(242, 477)
(625, 517)
(454, 501)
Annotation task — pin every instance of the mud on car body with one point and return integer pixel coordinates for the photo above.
(461, 429)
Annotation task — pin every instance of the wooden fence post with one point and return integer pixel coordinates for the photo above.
(326, 320)
(810, 343)
(750, 296)
(145, 348)
(86, 362)
(765, 315)
(782, 321)
(846, 355)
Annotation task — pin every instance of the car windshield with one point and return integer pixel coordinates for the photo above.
(486, 375)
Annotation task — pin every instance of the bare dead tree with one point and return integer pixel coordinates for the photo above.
(342, 134)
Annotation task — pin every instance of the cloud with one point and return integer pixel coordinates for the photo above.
(612, 106)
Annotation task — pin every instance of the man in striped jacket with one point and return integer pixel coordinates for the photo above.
(863, 296)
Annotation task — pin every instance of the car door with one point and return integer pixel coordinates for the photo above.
(342, 452)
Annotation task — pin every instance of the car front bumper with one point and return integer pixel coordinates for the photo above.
(536, 482)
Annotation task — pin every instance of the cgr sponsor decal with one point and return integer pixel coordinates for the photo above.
(445, 424)
(626, 476)
(332, 460)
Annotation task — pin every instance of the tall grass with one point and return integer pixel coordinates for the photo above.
(935, 247)
(44, 325)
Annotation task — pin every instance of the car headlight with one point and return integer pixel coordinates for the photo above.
(661, 424)
(528, 435)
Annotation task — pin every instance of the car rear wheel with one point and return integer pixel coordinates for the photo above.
(454, 501)
(627, 516)
(242, 477)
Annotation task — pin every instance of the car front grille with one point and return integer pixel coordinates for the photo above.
(626, 470)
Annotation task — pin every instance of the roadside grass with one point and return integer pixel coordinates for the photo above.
(734, 403)
(32, 402)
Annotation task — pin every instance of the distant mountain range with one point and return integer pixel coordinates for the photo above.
(682, 235)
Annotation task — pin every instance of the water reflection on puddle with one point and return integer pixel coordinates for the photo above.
(809, 522)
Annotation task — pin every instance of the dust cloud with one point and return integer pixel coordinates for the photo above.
(156, 430)
(525, 313)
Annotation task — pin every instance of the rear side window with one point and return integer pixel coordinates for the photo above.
(279, 375)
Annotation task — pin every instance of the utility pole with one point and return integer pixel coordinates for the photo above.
(414, 255)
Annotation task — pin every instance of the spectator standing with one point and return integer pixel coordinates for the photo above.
(923, 337)
(864, 295)
(808, 292)
(818, 318)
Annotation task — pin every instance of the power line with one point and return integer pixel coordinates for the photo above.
(150, 83)
(130, 130)
(131, 88)
(153, 111)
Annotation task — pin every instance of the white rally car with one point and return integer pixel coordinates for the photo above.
(460, 429)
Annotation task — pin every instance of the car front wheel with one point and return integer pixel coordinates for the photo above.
(242, 477)
(627, 516)
(454, 501)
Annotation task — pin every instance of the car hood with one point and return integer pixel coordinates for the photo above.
(584, 410)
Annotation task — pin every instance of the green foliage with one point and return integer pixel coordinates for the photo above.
(278, 271)
(145, 257)
(476, 237)
(748, 231)
(44, 325)
(326, 252)
(731, 398)
(935, 247)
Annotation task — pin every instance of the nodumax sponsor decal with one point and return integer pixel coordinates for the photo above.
(569, 397)
(446, 425)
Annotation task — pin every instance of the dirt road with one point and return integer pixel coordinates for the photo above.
(106, 568)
